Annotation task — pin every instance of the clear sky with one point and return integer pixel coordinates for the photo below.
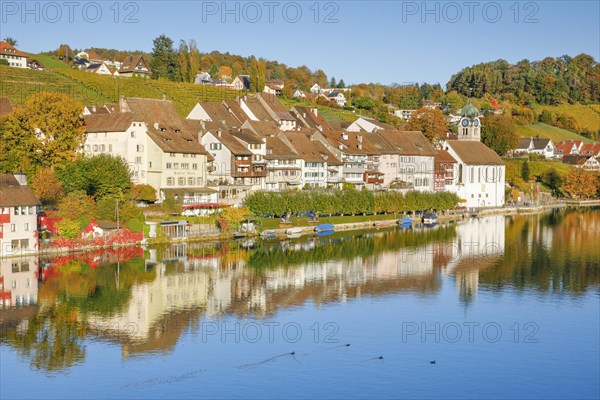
(359, 41)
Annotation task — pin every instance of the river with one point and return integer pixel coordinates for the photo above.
(484, 308)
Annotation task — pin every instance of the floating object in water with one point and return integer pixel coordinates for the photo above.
(267, 360)
(430, 219)
(324, 227)
(405, 221)
(432, 362)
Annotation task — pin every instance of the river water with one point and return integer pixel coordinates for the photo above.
(486, 308)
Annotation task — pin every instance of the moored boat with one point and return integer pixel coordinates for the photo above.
(324, 227)
(405, 221)
(293, 231)
(268, 233)
(430, 219)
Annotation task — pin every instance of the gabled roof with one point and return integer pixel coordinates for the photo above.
(474, 153)
(14, 194)
(245, 79)
(257, 108)
(408, 143)
(92, 55)
(234, 108)
(232, 143)
(350, 142)
(5, 106)
(108, 122)
(443, 157)
(574, 159)
(10, 50)
(220, 113)
(588, 149)
(310, 150)
(278, 150)
(272, 104)
(165, 127)
(262, 128)
(309, 119)
(247, 136)
(130, 62)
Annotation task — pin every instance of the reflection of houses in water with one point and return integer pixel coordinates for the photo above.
(18, 281)
(479, 245)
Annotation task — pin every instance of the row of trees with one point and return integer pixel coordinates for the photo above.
(549, 81)
(346, 202)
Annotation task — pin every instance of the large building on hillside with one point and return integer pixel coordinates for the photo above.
(479, 176)
(18, 216)
(161, 149)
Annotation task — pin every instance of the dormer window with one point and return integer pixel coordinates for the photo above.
(163, 129)
(177, 130)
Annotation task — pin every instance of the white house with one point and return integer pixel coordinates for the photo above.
(404, 114)
(100, 69)
(14, 57)
(241, 82)
(366, 124)
(18, 216)
(315, 89)
(536, 145)
(338, 97)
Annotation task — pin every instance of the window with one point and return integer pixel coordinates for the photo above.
(13, 228)
(175, 165)
(169, 165)
(170, 181)
(110, 148)
(26, 227)
(138, 160)
(199, 181)
(149, 164)
(132, 134)
(215, 146)
(194, 166)
(185, 166)
(191, 181)
(95, 147)
(139, 148)
(143, 174)
(172, 154)
(181, 181)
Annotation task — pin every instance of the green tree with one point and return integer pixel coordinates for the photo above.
(341, 84)
(194, 59)
(143, 192)
(499, 133)
(43, 133)
(164, 63)
(97, 176)
(525, 171)
(552, 179)
(364, 102)
(11, 41)
(333, 82)
(68, 228)
(184, 61)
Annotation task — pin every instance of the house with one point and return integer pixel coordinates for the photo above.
(567, 147)
(338, 97)
(299, 93)
(212, 112)
(406, 160)
(274, 87)
(536, 145)
(431, 104)
(319, 167)
(404, 114)
(310, 118)
(588, 163)
(315, 89)
(203, 78)
(33, 63)
(443, 174)
(100, 69)
(18, 284)
(284, 164)
(453, 118)
(15, 58)
(5, 106)
(96, 229)
(18, 216)
(241, 82)
(263, 107)
(135, 66)
(91, 56)
(587, 149)
(366, 124)
(159, 147)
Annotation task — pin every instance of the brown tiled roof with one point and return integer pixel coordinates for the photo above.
(257, 109)
(380, 143)
(590, 149)
(310, 150)
(220, 113)
(105, 122)
(247, 136)
(165, 127)
(352, 144)
(5, 106)
(476, 153)
(131, 62)
(234, 108)
(263, 128)
(443, 157)
(278, 150)
(92, 55)
(13, 194)
(232, 143)
(8, 49)
(409, 143)
(309, 119)
(574, 159)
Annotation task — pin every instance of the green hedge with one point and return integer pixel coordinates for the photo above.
(347, 202)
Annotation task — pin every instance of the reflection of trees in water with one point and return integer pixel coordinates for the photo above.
(556, 252)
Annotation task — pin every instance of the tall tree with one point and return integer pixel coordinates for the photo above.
(499, 132)
(194, 59)
(164, 60)
(184, 61)
(45, 132)
(333, 82)
(11, 41)
(341, 84)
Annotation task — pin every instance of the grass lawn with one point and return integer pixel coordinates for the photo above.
(273, 223)
(550, 132)
(587, 116)
(50, 62)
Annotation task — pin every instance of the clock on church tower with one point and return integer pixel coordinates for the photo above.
(469, 127)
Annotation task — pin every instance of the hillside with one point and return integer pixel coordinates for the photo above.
(587, 116)
(549, 131)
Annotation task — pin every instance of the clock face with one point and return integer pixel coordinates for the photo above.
(476, 122)
(465, 122)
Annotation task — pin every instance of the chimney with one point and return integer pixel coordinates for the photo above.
(219, 133)
(156, 125)
(21, 178)
(122, 104)
(315, 111)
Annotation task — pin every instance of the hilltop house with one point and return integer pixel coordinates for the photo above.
(18, 216)
(479, 175)
(404, 114)
(203, 78)
(338, 97)
(567, 147)
(588, 163)
(590, 150)
(366, 124)
(101, 69)
(14, 57)
(536, 145)
(160, 148)
(241, 82)
(135, 66)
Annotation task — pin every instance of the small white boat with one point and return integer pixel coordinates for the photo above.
(430, 219)
(293, 231)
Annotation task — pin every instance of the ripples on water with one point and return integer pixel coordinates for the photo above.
(491, 307)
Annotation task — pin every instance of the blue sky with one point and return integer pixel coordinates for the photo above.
(359, 41)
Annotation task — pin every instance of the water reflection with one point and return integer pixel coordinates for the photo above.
(145, 300)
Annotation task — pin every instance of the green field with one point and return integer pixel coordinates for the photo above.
(329, 113)
(550, 132)
(587, 116)
(536, 168)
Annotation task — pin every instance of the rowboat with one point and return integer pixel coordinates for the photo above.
(324, 227)
(430, 219)
(268, 233)
(293, 231)
(405, 221)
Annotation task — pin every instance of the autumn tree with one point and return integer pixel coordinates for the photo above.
(45, 132)
(580, 184)
(225, 72)
(184, 61)
(431, 122)
(194, 59)
(47, 187)
(499, 132)
(143, 192)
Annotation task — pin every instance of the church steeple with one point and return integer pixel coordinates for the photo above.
(469, 127)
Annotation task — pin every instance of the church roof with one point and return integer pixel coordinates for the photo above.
(469, 111)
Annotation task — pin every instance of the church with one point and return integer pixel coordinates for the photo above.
(480, 174)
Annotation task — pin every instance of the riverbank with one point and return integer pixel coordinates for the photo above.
(370, 222)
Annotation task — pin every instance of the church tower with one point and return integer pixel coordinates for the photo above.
(469, 127)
